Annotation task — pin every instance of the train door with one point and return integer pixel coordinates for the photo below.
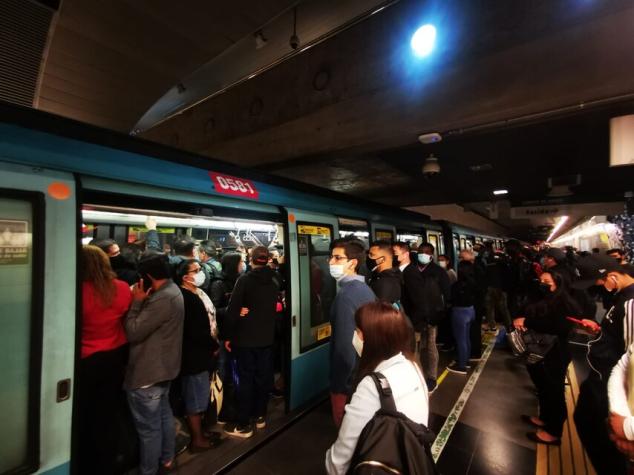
(382, 232)
(355, 227)
(435, 239)
(412, 238)
(37, 252)
(312, 294)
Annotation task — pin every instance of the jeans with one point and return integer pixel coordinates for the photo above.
(428, 352)
(497, 306)
(255, 371)
(154, 423)
(461, 319)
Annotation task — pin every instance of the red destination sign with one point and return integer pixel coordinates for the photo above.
(234, 186)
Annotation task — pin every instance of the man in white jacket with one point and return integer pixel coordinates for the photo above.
(621, 419)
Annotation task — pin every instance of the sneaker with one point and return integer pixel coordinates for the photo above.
(454, 368)
(238, 430)
(492, 329)
(431, 385)
(260, 423)
(277, 393)
(475, 360)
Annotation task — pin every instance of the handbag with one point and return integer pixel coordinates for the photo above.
(537, 345)
(216, 390)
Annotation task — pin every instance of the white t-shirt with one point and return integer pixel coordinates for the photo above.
(410, 396)
(618, 390)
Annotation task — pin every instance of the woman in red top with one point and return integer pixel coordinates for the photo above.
(104, 354)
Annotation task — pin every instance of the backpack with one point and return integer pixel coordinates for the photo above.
(391, 443)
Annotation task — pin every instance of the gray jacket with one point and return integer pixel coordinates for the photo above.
(155, 331)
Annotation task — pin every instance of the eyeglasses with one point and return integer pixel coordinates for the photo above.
(194, 271)
(338, 258)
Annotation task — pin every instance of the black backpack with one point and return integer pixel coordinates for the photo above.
(391, 443)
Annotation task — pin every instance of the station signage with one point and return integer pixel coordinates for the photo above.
(234, 186)
(313, 230)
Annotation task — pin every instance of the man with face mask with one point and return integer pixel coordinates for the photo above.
(126, 271)
(436, 293)
(385, 280)
(346, 257)
(610, 342)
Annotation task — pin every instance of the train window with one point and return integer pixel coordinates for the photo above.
(20, 340)
(384, 235)
(456, 243)
(313, 242)
(355, 227)
(413, 239)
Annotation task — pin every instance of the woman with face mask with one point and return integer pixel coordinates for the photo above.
(549, 316)
(382, 340)
(445, 263)
(200, 333)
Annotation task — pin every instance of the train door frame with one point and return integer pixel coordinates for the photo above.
(306, 365)
(340, 220)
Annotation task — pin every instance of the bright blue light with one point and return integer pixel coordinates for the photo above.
(423, 40)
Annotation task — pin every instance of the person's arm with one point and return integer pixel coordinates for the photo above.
(145, 316)
(413, 287)
(365, 402)
(617, 395)
(152, 240)
(628, 323)
(236, 302)
(343, 354)
(445, 285)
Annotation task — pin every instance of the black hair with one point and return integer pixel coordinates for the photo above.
(353, 249)
(184, 246)
(154, 263)
(401, 245)
(616, 250)
(427, 245)
(182, 269)
(561, 298)
(626, 269)
(229, 263)
(210, 247)
(103, 244)
(383, 245)
(446, 257)
(466, 271)
(260, 255)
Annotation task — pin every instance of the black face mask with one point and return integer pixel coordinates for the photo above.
(372, 263)
(544, 289)
(117, 262)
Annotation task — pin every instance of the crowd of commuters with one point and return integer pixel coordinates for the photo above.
(154, 321)
(155, 328)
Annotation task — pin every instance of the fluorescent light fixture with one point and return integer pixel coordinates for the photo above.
(423, 40)
(557, 227)
(500, 192)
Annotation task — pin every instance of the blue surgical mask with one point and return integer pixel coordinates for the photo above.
(424, 259)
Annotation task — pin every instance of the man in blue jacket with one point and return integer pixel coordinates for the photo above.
(346, 257)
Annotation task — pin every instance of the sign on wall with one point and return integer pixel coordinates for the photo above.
(234, 186)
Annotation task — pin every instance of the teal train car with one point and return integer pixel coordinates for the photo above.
(63, 183)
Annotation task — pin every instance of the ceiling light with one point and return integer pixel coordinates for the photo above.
(423, 40)
(557, 227)
(500, 192)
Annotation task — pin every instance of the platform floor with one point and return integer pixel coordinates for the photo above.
(487, 436)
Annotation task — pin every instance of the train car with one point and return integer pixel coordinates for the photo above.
(458, 238)
(63, 183)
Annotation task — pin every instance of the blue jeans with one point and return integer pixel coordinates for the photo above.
(154, 423)
(461, 318)
(255, 370)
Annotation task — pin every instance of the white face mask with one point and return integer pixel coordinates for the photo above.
(357, 343)
(336, 271)
(199, 278)
(442, 264)
(243, 268)
(476, 253)
(424, 258)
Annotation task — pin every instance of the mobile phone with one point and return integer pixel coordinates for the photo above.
(575, 320)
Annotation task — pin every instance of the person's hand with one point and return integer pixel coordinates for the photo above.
(615, 422)
(591, 325)
(138, 292)
(228, 346)
(150, 223)
(626, 447)
(518, 323)
(244, 311)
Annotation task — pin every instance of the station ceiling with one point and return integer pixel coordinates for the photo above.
(521, 91)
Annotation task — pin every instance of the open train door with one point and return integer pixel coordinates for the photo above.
(312, 293)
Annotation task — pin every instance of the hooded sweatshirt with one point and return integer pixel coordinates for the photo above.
(256, 290)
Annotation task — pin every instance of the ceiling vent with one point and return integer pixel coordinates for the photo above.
(24, 31)
(560, 186)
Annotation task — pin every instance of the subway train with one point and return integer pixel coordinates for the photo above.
(63, 183)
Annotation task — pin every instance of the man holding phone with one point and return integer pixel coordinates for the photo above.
(611, 340)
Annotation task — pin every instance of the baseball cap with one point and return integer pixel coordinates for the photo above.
(594, 267)
(557, 254)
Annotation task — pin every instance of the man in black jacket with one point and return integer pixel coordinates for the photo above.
(250, 322)
(611, 340)
(385, 280)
